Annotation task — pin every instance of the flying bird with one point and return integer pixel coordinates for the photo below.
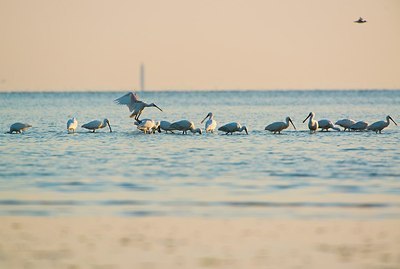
(18, 127)
(97, 124)
(380, 125)
(312, 124)
(233, 127)
(71, 125)
(278, 126)
(134, 104)
(360, 20)
(211, 124)
(184, 126)
(327, 124)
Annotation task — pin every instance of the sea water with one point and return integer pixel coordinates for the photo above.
(48, 172)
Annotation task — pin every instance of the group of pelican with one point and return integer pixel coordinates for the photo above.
(137, 106)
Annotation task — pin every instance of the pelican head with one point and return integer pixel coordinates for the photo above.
(245, 129)
(197, 130)
(154, 105)
(106, 121)
(208, 115)
(288, 119)
(390, 118)
(309, 115)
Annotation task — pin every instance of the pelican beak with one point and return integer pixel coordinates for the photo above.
(204, 119)
(158, 107)
(109, 126)
(245, 129)
(309, 115)
(292, 124)
(392, 120)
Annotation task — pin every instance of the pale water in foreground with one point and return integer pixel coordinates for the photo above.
(47, 172)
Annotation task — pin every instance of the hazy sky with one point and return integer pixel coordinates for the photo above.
(199, 44)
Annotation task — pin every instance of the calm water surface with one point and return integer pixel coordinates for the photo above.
(48, 172)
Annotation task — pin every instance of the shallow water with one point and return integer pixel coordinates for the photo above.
(48, 172)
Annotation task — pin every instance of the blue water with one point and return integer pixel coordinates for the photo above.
(47, 172)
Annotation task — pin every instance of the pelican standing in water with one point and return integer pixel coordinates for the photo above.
(312, 124)
(327, 124)
(345, 123)
(233, 127)
(211, 124)
(380, 125)
(97, 124)
(147, 126)
(18, 127)
(359, 126)
(184, 126)
(166, 126)
(71, 125)
(278, 126)
(134, 104)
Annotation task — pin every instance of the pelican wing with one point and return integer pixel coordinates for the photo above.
(128, 99)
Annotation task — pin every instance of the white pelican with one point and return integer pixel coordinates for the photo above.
(312, 124)
(211, 124)
(326, 124)
(380, 125)
(233, 127)
(97, 124)
(345, 123)
(166, 126)
(184, 126)
(147, 126)
(359, 126)
(18, 127)
(71, 125)
(360, 20)
(134, 104)
(278, 126)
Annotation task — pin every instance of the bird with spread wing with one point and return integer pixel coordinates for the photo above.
(134, 104)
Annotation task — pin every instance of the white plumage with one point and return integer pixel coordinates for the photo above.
(166, 126)
(380, 125)
(278, 126)
(97, 124)
(211, 124)
(134, 104)
(345, 123)
(184, 126)
(312, 124)
(147, 126)
(327, 124)
(72, 124)
(233, 127)
(19, 127)
(359, 126)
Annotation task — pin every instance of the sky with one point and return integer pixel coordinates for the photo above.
(82, 45)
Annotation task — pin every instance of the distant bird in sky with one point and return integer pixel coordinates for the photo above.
(18, 127)
(71, 125)
(134, 104)
(327, 124)
(359, 126)
(278, 126)
(360, 20)
(312, 124)
(233, 127)
(211, 124)
(380, 125)
(184, 126)
(97, 124)
(345, 123)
